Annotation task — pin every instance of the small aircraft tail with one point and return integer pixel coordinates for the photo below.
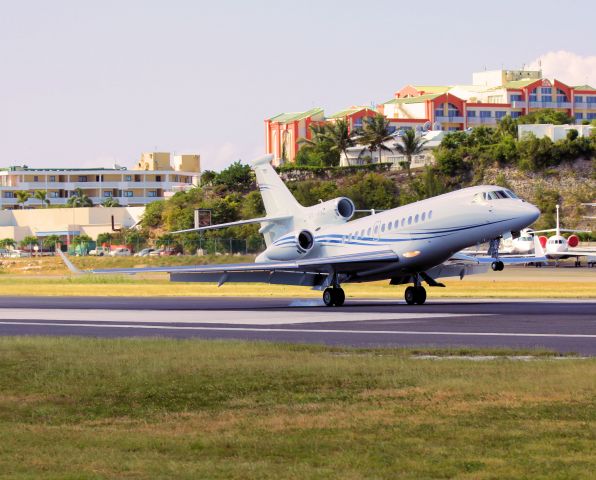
(278, 200)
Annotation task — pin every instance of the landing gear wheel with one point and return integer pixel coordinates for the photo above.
(334, 297)
(340, 296)
(497, 266)
(328, 297)
(410, 295)
(420, 295)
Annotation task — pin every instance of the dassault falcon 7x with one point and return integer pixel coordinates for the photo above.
(322, 247)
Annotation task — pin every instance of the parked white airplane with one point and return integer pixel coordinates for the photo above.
(321, 247)
(557, 247)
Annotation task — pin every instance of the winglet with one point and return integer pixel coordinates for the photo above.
(69, 264)
(261, 160)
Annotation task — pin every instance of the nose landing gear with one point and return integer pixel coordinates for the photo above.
(497, 266)
(334, 297)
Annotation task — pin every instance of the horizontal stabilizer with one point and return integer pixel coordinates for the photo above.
(235, 224)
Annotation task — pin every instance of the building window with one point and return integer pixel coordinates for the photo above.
(176, 178)
(561, 98)
(8, 195)
(158, 178)
(52, 178)
(35, 178)
(438, 113)
(516, 98)
(533, 97)
(82, 178)
(453, 129)
(128, 178)
(579, 99)
(591, 116)
(547, 98)
(579, 116)
(54, 195)
(471, 113)
(107, 194)
(485, 114)
(128, 193)
(546, 90)
(152, 193)
(515, 114)
(590, 99)
(500, 114)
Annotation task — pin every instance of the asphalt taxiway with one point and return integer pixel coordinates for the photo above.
(560, 325)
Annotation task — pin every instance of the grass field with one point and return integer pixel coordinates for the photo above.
(152, 409)
(48, 276)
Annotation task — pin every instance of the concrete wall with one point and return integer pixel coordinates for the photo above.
(554, 132)
(17, 224)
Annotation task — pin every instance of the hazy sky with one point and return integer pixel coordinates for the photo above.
(93, 83)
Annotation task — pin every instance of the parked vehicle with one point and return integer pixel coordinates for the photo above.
(19, 253)
(120, 252)
(145, 252)
(100, 251)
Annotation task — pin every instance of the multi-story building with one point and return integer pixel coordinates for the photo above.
(491, 96)
(153, 178)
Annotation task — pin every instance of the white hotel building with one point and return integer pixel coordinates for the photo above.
(153, 178)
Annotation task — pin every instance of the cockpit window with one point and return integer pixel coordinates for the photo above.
(498, 194)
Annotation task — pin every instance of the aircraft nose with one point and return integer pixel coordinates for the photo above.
(531, 213)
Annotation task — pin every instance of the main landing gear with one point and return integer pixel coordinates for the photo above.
(497, 266)
(415, 295)
(334, 296)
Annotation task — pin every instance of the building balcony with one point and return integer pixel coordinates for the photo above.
(449, 119)
(518, 104)
(482, 120)
(550, 104)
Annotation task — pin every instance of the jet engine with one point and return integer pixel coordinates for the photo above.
(291, 247)
(573, 241)
(336, 211)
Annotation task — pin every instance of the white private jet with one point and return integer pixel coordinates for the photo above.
(321, 247)
(557, 247)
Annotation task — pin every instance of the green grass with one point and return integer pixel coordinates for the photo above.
(133, 408)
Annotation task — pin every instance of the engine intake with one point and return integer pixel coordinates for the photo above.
(290, 247)
(336, 211)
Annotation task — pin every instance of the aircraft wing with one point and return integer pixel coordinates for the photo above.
(571, 253)
(538, 257)
(299, 272)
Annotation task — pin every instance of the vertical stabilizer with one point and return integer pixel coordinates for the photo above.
(276, 197)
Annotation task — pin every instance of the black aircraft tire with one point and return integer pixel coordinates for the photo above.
(339, 297)
(410, 295)
(420, 295)
(329, 297)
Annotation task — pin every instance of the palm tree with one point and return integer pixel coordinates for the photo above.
(50, 242)
(375, 133)
(318, 135)
(82, 241)
(79, 199)
(339, 136)
(110, 202)
(409, 145)
(7, 243)
(42, 196)
(22, 197)
(29, 241)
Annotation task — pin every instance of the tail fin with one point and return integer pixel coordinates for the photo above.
(276, 197)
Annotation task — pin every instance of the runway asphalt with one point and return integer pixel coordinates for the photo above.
(560, 325)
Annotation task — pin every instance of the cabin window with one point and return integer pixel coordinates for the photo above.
(416, 218)
(410, 220)
(362, 233)
(389, 225)
(430, 214)
(376, 229)
(423, 216)
(396, 224)
(403, 222)
(368, 232)
(383, 228)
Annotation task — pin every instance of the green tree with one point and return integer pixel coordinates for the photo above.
(339, 137)
(135, 239)
(546, 115)
(22, 197)
(42, 196)
(50, 242)
(235, 177)
(28, 242)
(7, 243)
(507, 126)
(318, 151)
(166, 240)
(375, 132)
(110, 202)
(82, 242)
(105, 238)
(79, 199)
(152, 216)
(409, 145)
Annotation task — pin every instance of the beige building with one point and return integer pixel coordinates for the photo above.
(153, 178)
(66, 222)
